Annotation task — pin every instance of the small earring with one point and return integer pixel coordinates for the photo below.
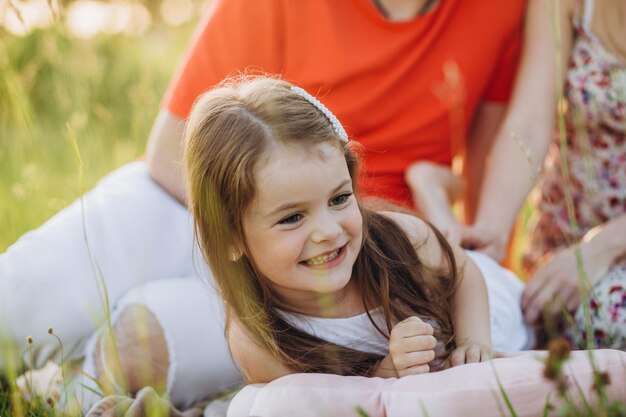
(233, 257)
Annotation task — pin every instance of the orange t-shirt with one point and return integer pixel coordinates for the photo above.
(386, 81)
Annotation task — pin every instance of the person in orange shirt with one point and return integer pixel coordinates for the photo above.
(412, 80)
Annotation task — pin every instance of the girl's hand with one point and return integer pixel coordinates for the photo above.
(412, 346)
(470, 353)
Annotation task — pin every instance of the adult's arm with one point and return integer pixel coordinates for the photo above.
(436, 188)
(233, 36)
(522, 142)
(165, 151)
(488, 119)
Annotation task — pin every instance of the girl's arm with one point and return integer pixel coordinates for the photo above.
(470, 314)
(470, 303)
(256, 364)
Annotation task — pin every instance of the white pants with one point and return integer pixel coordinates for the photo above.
(192, 318)
(136, 239)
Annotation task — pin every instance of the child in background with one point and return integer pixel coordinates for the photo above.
(313, 279)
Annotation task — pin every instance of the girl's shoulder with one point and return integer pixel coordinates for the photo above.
(415, 229)
(422, 236)
(257, 364)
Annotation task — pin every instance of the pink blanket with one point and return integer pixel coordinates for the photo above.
(470, 390)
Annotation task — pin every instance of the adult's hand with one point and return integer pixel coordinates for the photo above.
(561, 282)
(435, 189)
(482, 239)
(146, 403)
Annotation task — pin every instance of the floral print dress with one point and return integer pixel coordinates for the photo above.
(595, 120)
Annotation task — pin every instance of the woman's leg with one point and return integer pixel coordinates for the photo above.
(128, 231)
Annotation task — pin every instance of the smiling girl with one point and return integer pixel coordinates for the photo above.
(312, 278)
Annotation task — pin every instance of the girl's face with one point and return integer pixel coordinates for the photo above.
(304, 228)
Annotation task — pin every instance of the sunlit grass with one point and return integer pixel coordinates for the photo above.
(106, 89)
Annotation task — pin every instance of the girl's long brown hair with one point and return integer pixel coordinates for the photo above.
(231, 129)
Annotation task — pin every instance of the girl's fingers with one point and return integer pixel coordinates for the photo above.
(399, 347)
(415, 370)
(412, 319)
(412, 326)
(457, 357)
(417, 343)
(472, 354)
(411, 344)
(486, 355)
(412, 359)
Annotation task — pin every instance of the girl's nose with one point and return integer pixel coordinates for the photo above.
(326, 229)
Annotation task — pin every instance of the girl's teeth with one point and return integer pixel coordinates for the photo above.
(319, 260)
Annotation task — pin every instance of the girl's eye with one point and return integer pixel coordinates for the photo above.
(294, 218)
(340, 199)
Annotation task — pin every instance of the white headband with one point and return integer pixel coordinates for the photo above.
(336, 124)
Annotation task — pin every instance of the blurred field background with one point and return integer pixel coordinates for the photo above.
(95, 70)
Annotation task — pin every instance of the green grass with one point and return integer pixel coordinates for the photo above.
(104, 91)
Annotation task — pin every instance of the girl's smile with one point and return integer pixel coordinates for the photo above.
(303, 229)
(328, 259)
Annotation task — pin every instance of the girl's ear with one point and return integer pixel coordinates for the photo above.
(234, 253)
